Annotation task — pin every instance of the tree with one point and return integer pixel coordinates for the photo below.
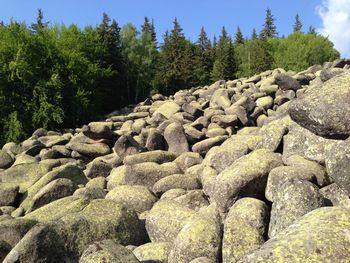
(269, 28)
(239, 39)
(297, 24)
(204, 57)
(224, 66)
(254, 34)
(312, 31)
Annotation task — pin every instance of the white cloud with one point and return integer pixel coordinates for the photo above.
(335, 15)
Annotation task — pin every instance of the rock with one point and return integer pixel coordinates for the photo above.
(337, 158)
(97, 182)
(8, 195)
(126, 145)
(333, 195)
(295, 198)
(273, 132)
(69, 171)
(4, 249)
(204, 146)
(245, 228)
(5, 160)
(168, 109)
(147, 174)
(175, 181)
(55, 140)
(91, 150)
(116, 177)
(137, 197)
(192, 109)
(12, 230)
(98, 168)
(264, 102)
(173, 193)
(54, 190)
(194, 199)
(220, 98)
(201, 260)
(286, 82)
(221, 157)
(319, 236)
(187, 160)
(176, 138)
(89, 193)
(246, 176)
(23, 175)
(199, 237)
(107, 251)
(155, 141)
(321, 110)
(153, 252)
(166, 219)
(157, 156)
(225, 121)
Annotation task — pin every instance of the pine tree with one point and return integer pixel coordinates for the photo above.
(146, 27)
(239, 39)
(153, 33)
(312, 31)
(297, 24)
(204, 56)
(40, 24)
(269, 28)
(254, 34)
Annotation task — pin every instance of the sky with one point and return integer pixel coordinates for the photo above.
(330, 17)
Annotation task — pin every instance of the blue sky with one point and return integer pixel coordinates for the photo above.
(192, 14)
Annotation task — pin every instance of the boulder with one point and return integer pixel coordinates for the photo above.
(187, 160)
(245, 228)
(204, 146)
(98, 168)
(286, 82)
(193, 199)
(166, 219)
(246, 176)
(294, 199)
(6, 160)
(319, 236)
(168, 109)
(92, 150)
(176, 181)
(116, 177)
(8, 194)
(157, 156)
(321, 110)
(153, 252)
(175, 137)
(90, 193)
(137, 198)
(107, 251)
(126, 145)
(155, 140)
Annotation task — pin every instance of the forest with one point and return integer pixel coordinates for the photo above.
(58, 76)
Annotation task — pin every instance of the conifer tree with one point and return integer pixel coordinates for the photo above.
(239, 39)
(312, 30)
(205, 58)
(254, 34)
(297, 24)
(269, 28)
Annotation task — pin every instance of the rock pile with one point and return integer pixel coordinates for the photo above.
(249, 170)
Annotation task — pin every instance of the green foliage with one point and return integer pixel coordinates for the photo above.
(297, 24)
(269, 28)
(239, 40)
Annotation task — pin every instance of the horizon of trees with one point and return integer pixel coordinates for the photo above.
(58, 76)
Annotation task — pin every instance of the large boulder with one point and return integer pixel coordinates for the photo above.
(166, 219)
(246, 176)
(320, 236)
(245, 228)
(321, 109)
(156, 156)
(6, 160)
(8, 195)
(168, 109)
(153, 252)
(107, 251)
(294, 199)
(175, 137)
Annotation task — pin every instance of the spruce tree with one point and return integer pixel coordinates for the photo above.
(312, 31)
(146, 27)
(239, 39)
(204, 57)
(153, 33)
(297, 24)
(254, 34)
(269, 28)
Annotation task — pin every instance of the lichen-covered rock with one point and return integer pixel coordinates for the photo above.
(8, 194)
(187, 160)
(168, 109)
(107, 251)
(90, 193)
(199, 237)
(54, 190)
(98, 168)
(245, 228)
(92, 150)
(246, 176)
(147, 174)
(157, 156)
(12, 230)
(204, 146)
(97, 182)
(321, 110)
(166, 219)
(175, 137)
(6, 160)
(294, 199)
(116, 177)
(334, 195)
(320, 236)
(127, 145)
(153, 252)
(338, 163)
(4, 249)
(286, 82)
(184, 181)
(136, 197)
(98, 130)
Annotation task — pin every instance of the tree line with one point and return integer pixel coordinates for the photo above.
(57, 76)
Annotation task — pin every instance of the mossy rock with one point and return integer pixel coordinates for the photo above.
(187, 160)
(23, 175)
(97, 182)
(168, 109)
(199, 237)
(193, 199)
(116, 177)
(6, 160)
(157, 156)
(244, 228)
(92, 150)
(153, 252)
(12, 230)
(8, 195)
(247, 176)
(4, 249)
(107, 251)
(69, 171)
(90, 193)
(136, 197)
(184, 181)
(320, 236)
(166, 219)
